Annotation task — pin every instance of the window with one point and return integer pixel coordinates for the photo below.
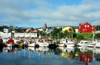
(88, 25)
(83, 29)
(86, 42)
(85, 25)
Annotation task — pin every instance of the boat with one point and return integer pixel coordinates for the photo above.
(66, 43)
(5, 40)
(82, 43)
(70, 44)
(11, 42)
(42, 42)
(92, 45)
(53, 45)
(31, 44)
(63, 42)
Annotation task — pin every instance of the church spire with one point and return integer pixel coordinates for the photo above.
(45, 26)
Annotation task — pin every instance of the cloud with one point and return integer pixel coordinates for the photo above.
(38, 12)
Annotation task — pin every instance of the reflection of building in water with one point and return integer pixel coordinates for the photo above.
(68, 55)
(85, 58)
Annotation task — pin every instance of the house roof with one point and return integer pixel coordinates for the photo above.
(82, 24)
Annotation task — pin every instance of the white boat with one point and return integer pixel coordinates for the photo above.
(42, 42)
(5, 40)
(83, 43)
(31, 44)
(68, 43)
(11, 42)
(62, 43)
(92, 44)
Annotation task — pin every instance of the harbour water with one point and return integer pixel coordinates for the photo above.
(47, 56)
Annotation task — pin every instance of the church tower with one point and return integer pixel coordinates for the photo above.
(45, 26)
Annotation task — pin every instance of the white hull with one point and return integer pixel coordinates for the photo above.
(82, 45)
(91, 45)
(43, 44)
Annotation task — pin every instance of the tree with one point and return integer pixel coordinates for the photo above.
(65, 34)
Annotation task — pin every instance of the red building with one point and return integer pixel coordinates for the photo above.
(85, 28)
(85, 58)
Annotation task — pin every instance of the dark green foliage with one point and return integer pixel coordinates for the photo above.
(97, 35)
(79, 37)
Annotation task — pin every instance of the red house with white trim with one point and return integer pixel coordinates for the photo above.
(85, 28)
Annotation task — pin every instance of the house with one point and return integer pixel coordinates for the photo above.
(85, 28)
(66, 28)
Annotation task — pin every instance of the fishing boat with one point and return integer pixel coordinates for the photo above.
(42, 42)
(11, 42)
(82, 43)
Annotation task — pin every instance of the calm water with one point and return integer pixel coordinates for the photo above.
(46, 56)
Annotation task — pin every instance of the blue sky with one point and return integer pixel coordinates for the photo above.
(34, 13)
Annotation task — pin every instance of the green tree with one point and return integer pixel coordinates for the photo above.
(65, 34)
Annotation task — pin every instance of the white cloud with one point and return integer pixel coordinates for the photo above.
(40, 12)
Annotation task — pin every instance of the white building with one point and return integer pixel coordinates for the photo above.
(5, 35)
(25, 34)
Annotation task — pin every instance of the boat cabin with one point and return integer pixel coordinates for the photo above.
(83, 42)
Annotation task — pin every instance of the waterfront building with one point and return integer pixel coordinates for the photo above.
(85, 28)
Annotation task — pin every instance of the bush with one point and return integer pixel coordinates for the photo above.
(97, 35)
(79, 37)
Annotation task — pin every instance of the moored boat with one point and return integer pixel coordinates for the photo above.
(11, 42)
(82, 43)
(42, 42)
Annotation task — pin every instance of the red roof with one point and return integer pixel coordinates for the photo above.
(82, 24)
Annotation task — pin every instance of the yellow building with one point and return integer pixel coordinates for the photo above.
(66, 28)
(76, 30)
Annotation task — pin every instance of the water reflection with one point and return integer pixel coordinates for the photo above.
(77, 55)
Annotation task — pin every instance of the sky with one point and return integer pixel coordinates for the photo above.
(35, 13)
